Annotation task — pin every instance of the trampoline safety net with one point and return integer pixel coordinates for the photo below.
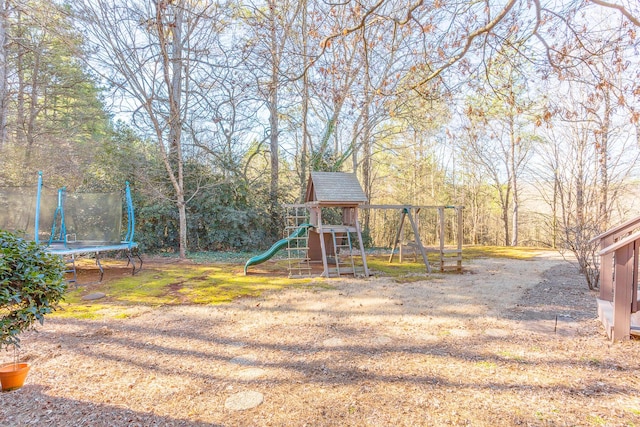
(18, 210)
(95, 217)
(92, 217)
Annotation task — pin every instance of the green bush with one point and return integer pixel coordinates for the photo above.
(221, 216)
(31, 284)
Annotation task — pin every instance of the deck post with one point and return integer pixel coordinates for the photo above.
(634, 283)
(606, 270)
(624, 260)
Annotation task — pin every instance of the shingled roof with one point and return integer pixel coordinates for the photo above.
(335, 188)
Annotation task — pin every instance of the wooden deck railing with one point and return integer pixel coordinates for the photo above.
(618, 299)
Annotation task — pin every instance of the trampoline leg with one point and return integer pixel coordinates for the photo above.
(99, 265)
(130, 260)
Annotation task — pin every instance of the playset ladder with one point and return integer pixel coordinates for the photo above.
(340, 249)
(71, 269)
(298, 254)
(343, 250)
(297, 246)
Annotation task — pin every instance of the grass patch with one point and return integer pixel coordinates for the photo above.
(170, 285)
(79, 311)
(510, 252)
(406, 270)
(415, 270)
(596, 420)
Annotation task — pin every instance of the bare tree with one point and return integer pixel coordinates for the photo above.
(460, 29)
(152, 54)
(268, 29)
(500, 129)
(574, 189)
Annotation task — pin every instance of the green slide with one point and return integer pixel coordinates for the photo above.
(258, 259)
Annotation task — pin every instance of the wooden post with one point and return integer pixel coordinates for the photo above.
(441, 221)
(606, 270)
(398, 235)
(624, 259)
(634, 283)
(460, 237)
(416, 234)
(323, 247)
(364, 256)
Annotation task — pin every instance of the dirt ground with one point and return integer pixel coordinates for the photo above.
(506, 343)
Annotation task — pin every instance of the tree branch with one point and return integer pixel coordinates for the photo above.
(627, 14)
(486, 29)
(326, 42)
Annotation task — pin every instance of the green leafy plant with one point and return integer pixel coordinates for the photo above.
(31, 284)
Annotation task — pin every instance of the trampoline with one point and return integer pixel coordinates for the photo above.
(73, 224)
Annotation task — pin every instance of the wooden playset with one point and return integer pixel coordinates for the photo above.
(342, 193)
(326, 230)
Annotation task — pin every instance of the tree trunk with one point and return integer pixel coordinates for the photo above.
(603, 150)
(504, 198)
(554, 210)
(514, 185)
(274, 147)
(171, 48)
(366, 144)
(579, 179)
(505, 222)
(33, 105)
(4, 97)
(366, 162)
(273, 115)
(20, 114)
(304, 152)
(175, 130)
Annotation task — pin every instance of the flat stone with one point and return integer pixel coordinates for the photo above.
(251, 373)
(382, 340)
(333, 342)
(244, 400)
(245, 360)
(497, 333)
(459, 333)
(94, 296)
(237, 344)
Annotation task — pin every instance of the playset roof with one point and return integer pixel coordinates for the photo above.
(335, 189)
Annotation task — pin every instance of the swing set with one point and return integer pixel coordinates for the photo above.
(412, 243)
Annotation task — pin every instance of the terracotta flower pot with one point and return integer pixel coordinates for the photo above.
(12, 375)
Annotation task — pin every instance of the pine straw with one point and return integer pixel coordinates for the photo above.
(482, 348)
